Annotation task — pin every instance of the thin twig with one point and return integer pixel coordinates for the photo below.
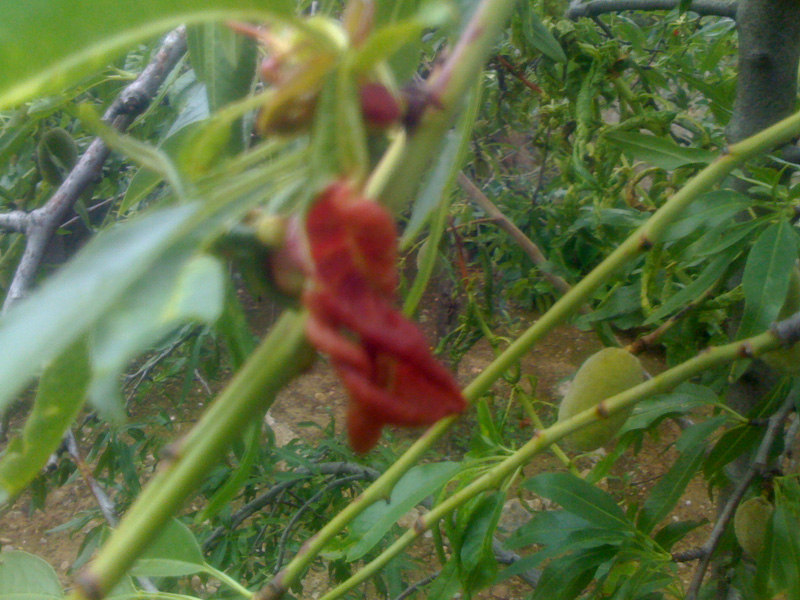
(42, 223)
(303, 474)
(415, 586)
(758, 465)
(518, 74)
(530, 248)
(106, 504)
(307, 505)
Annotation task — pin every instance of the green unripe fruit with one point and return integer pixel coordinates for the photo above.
(604, 374)
(57, 154)
(750, 524)
(787, 360)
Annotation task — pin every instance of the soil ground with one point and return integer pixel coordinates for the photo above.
(317, 394)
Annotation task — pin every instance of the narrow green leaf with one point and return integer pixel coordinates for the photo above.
(709, 210)
(538, 35)
(50, 44)
(447, 583)
(565, 577)
(672, 533)
(666, 493)
(24, 576)
(182, 289)
(41, 327)
(226, 62)
(660, 152)
(778, 564)
(708, 277)
(685, 398)
(477, 545)
(548, 528)
(174, 553)
(225, 494)
(59, 398)
(581, 499)
(416, 485)
(765, 282)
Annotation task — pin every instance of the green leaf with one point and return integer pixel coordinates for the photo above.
(61, 393)
(765, 282)
(225, 494)
(390, 38)
(441, 178)
(709, 210)
(174, 553)
(181, 290)
(538, 35)
(548, 528)
(182, 130)
(50, 44)
(672, 533)
(222, 59)
(477, 545)
(447, 583)
(565, 577)
(708, 277)
(42, 326)
(413, 487)
(581, 499)
(778, 564)
(226, 62)
(652, 410)
(660, 152)
(666, 493)
(24, 576)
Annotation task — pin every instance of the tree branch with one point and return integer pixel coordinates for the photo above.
(41, 224)
(758, 465)
(531, 249)
(704, 8)
(14, 221)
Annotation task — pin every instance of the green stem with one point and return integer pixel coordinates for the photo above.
(637, 243)
(153, 596)
(280, 357)
(555, 448)
(229, 581)
(446, 89)
(541, 440)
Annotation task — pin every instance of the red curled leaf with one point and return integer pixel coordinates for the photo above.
(382, 358)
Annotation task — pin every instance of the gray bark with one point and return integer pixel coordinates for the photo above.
(769, 50)
(704, 8)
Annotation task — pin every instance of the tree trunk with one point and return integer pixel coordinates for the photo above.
(769, 50)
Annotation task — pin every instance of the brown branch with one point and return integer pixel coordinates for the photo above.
(518, 74)
(704, 8)
(530, 248)
(757, 466)
(41, 224)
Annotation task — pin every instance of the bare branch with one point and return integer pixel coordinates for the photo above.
(758, 465)
(531, 249)
(43, 222)
(16, 220)
(704, 8)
